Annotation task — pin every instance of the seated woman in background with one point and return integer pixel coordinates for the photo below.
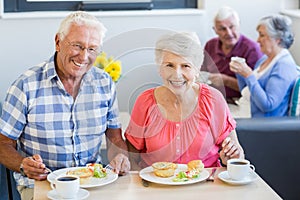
(181, 120)
(266, 90)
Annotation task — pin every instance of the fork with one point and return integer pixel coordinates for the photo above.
(212, 175)
(108, 166)
(48, 170)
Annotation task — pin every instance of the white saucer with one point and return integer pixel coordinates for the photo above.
(224, 176)
(82, 194)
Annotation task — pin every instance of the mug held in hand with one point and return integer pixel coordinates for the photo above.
(238, 169)
(66, 186)
(238, 59)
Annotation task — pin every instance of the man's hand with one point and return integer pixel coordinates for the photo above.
(121, 164)
(216, 79)
(117, 151)
(221, 80)
(34, 167)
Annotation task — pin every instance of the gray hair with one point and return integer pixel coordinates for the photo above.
(81, 18)
(184, 44)
(278, 27)
(226, 12)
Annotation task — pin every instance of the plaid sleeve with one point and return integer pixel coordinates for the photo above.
(13, 117)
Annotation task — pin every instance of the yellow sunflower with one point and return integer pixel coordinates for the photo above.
(111, 66)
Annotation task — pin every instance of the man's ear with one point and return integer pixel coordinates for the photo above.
(57, 42)
(214, 28)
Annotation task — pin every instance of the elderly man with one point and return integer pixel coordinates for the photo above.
(55, 114)
(219, 50)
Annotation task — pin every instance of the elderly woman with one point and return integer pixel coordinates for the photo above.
(268, 87)
(181, 120)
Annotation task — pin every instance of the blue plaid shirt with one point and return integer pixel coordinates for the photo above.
(46, 120)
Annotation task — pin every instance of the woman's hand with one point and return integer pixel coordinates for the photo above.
(230, 149)
(240, 68)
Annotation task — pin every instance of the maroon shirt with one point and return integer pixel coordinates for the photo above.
(215, 61)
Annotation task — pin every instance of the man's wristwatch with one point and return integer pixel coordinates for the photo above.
(22, 170)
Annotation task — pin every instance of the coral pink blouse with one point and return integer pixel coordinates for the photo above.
(199, 136)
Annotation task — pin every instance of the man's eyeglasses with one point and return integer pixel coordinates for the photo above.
(78, 48)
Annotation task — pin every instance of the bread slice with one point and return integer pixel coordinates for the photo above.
(195, 165)
(84, 174)
(164, 169)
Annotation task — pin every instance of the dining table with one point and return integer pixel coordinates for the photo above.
(132, 187)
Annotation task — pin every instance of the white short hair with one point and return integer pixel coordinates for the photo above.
(226, 12)
(278, 27)
(81, 18)
(184, 44)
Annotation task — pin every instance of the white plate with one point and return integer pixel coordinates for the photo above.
(94, 182)
(82, 194)
(224, 176)
(148, 175)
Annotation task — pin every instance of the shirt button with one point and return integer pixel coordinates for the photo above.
(177, 150)
(178, 137)
(177, 125)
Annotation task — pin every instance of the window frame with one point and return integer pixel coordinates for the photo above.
(24, 6)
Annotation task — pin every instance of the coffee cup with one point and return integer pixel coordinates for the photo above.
(66, 186)
(238, 169)
(238, 59)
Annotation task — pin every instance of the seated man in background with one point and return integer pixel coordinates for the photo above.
(56, 113)
(219, 50)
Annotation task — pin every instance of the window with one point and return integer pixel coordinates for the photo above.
(65, 5)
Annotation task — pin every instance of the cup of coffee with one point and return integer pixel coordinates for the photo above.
(66, 186)
(238, 169)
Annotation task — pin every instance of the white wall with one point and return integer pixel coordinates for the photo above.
(28, 38)
(295, 48)
(249, 11)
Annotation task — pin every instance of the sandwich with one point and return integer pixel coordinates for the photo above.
(164, 169)
(84, 173)
(195, 165)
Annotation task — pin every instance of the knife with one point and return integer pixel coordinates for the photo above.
(212, 175)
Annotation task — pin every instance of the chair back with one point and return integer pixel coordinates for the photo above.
(294, 107)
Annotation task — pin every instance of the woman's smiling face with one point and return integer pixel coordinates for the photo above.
(178, 74)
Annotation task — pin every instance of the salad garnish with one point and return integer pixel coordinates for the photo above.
(99, 171)
(183, 176)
